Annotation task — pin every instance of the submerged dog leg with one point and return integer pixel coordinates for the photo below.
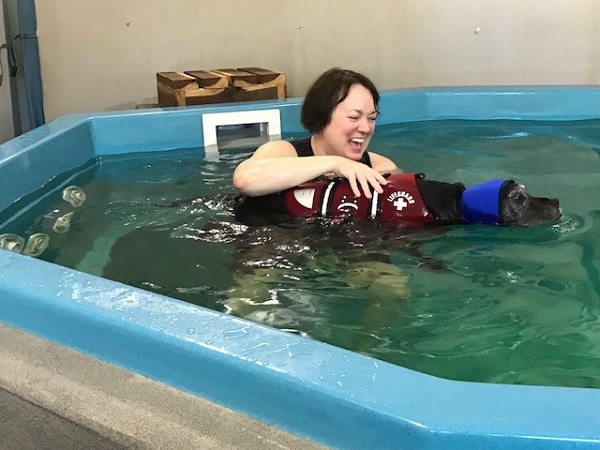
(387, 290)
(251, 293)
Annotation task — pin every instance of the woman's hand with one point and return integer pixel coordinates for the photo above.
(360, 176)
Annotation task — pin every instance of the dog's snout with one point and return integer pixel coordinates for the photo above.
(554, 204)
(551, 201)
(554, 212)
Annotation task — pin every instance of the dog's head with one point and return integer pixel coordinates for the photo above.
(518, 207)
(504, 202)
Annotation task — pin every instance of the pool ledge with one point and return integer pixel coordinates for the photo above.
(54, 397)
(324, 393)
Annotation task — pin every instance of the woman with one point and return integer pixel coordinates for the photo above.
(339, 110)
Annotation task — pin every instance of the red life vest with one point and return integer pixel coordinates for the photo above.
(400, 203)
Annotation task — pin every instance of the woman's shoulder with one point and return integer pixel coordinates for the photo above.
(382, 163)
(275, 148)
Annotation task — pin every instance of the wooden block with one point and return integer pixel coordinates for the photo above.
(166, 95)
(176, 80)
(256, 92)
(281, 91)
(238, 78)
(205, 96)
(201, 87)
(266, 76)
(208, 79)
(186, 97)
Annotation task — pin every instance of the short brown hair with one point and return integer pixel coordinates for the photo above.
(328, 91)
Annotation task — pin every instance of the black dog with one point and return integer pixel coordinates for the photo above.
(326, 210)
(408, 201)
(290, 248)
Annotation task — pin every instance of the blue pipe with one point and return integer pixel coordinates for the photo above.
(27, 36)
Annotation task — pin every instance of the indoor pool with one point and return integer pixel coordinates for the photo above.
(502, 305)
(493, 345)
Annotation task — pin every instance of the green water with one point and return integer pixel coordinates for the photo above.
(478, 303)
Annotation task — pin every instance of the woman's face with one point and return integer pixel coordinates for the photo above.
(352, 124)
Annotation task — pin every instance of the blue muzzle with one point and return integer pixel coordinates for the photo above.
(482, 203)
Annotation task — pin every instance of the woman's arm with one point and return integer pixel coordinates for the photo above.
(275, 166)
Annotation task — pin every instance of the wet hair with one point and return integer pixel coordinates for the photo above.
(328, 91)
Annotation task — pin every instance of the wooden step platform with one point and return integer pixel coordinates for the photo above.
(201, 87)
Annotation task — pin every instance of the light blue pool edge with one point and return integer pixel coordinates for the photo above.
(327, 394)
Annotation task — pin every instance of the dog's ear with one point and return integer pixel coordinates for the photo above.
(514, 201)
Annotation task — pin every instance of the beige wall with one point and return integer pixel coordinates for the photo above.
(103, 54)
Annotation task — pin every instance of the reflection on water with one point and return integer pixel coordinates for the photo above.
(481, 303)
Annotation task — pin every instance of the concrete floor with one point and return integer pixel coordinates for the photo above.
(24, 425)
(54, 398)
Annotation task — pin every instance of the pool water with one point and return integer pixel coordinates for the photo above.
(477, 303)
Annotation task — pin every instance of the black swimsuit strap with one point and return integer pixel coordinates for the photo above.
(304, 148)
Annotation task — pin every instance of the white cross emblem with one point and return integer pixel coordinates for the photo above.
(400, 203)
